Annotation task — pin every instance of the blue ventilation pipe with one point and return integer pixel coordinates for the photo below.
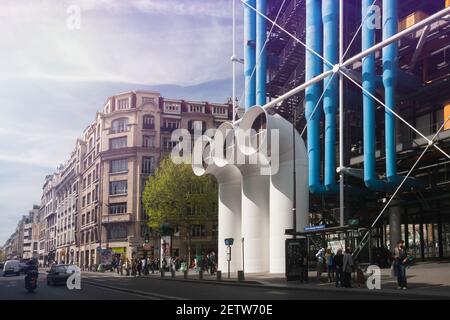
(330, 18)
(390, 74)
(249, 53)
(261, 68)
(313, 67)
(368, 82)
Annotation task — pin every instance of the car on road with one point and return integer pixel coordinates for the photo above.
(11, 267)
(57, 274)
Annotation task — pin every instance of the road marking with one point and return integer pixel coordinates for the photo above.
(136, 292)
(121, 291)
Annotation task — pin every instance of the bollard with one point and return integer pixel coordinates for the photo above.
(219, 275)
(200, 275)
(241, 275)
(173, 273)
(185, 274)
(162, 273)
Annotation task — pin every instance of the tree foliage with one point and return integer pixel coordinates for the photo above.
(176, 196)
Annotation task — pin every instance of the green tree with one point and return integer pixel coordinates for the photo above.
(175, 196)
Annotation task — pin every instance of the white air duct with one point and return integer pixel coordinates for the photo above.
(254, 201)
(229, 203)
(256, 197)
(281, 180)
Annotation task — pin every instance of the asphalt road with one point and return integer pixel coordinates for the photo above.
(109, 287)
(13, 288)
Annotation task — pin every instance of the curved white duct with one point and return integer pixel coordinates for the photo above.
(281, 181)
(254, 208)
(229, 199)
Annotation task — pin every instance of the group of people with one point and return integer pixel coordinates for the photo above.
(137, 267)
(341, 265)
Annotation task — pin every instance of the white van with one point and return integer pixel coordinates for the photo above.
(11, 267)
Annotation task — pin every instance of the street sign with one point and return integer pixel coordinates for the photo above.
(315, 228)
(229, 241)
(147, 246)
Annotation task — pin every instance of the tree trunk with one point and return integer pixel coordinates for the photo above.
(189, 248)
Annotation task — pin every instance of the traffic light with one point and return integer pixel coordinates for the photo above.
(147, 238)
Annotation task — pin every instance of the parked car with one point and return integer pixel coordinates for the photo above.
(57, 274)
(11, 267)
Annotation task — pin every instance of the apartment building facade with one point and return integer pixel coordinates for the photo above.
(48, 204)
(93, 203)
(31, 234)
(66, 194)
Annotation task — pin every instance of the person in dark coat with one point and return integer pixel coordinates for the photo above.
(338, 260)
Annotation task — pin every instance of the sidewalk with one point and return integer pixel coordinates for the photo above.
(430, 279)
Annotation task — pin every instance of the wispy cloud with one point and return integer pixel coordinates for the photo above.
(54, 79)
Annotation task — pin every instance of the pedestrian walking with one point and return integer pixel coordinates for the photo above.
(400, 264)
(330, 265)
(347, 267)
(338, 264)
(320, 256)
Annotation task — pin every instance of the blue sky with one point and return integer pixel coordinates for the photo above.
(54, 79)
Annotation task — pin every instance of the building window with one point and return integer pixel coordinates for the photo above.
(117, 231)
(88, 217)
(198, 231)
(171, 124)
(83, 217)
(171, 107)
(118, 143)
(120, 165)
(123, 104)
(168, 144)
(89, 198)
(119, 125)
(196, 108)
(196, 125)
(96, 193)
(118, 208)
(148, 141)
(148, 165)
(83, 203)
(89, 179)
(148, 122)
(220, 110)
(118, 187)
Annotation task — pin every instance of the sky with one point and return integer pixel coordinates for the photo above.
(61, 59)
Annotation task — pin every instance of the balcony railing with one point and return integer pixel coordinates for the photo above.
(149, 126)
(116, 218)
(119, 129)
(168, 129)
